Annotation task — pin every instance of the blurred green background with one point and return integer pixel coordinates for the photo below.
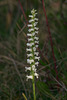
(13, 40)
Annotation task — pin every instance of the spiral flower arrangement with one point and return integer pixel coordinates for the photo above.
(32, 45)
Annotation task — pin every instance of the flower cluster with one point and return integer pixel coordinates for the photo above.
(32, 45)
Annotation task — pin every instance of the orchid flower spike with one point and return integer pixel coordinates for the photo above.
(32, 45)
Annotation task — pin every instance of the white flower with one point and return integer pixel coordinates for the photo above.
(36, 28)
(29, 77)
(33, 11)
(30, 44)
(30, 55)
(28, 68)
(35, 23)
(29, 25)
(36, 63)
(36, 46)
(29, 50)
(36, 53)
(33, 68)
(33, 33)
(36, 38)
(36, 32)
(29, 34)
(36, 19)
(30, 39)
(30, 61)
(37, 42)
(35, 74)
(31, 30)
(31, 20)
(30, 16)
(38, 58)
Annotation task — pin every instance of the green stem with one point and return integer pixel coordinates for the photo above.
(33, 81)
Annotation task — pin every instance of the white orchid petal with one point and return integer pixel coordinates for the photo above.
(28, 68)
(36, 28)
(35, 74)
(37, 42)
(29, 77)
(36, 32)
(36, 19)
(31, 20)
(38, 58)
(30, 61)
(30, 30)
(36, 38)
(36, 63)
(29, 25)
(29, 50)
(30, 55)
(30, 39)
(30, 16)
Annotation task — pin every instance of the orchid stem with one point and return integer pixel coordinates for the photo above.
(33, 82)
